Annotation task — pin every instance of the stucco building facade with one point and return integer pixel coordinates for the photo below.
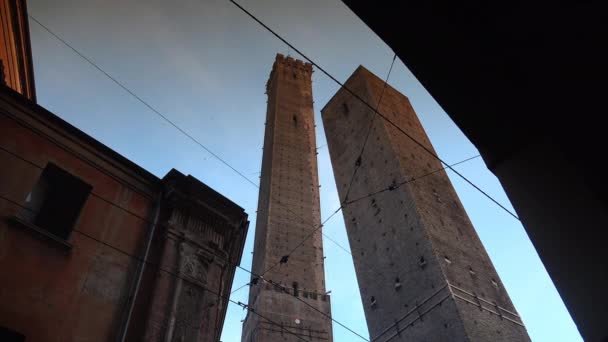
(92, 246)
(16, 66)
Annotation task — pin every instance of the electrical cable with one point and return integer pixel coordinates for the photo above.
(389, 188)
(397, 185)
(165, 118)
(159, 268)
(376, 112)
(369, 131)
(145, 220)
(343, 86)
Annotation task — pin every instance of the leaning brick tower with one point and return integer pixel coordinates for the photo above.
(422, 270)
(292, 285)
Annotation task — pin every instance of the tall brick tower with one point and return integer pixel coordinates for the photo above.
(288, 211)
(422, 270)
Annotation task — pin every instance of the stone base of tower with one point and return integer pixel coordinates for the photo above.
(302, 323)
(452, 314)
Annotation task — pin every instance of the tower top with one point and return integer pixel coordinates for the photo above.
(291, 62)
(291, 66)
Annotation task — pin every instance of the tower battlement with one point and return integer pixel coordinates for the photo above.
(292, 63)
(290, 68)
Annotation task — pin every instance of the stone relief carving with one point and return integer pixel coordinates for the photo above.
(201, 231)
(194, 262)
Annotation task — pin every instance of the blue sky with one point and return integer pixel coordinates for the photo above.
(204, 65)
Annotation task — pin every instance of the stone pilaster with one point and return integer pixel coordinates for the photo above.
(201, 242)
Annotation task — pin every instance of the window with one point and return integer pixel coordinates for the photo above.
(8, 335)
(397, 283)
(345, 109)
(55, 202)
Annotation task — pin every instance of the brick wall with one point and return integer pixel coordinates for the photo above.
(51, 292)
(288, 211)
(414, 247)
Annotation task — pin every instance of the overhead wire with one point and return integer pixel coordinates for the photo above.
(142, 101)
(391, 188)
(358, 161)
(388, 188)
(354, 173)
(195, 140)
(407, 181)
(159, 268)
(148, 221)
(385, 118)
(165, 118)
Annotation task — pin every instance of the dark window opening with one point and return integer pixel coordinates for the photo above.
(295, 120)
(295, 288)
(397, 283)
(56, 201)
(7, 335)
(2, 75)
(422, 262)
(345, 109)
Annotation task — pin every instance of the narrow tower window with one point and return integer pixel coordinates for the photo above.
(295, 288)
(422, 262)
(345, 109)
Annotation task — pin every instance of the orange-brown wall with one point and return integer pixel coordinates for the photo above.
(49, 292)
(15, 50)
